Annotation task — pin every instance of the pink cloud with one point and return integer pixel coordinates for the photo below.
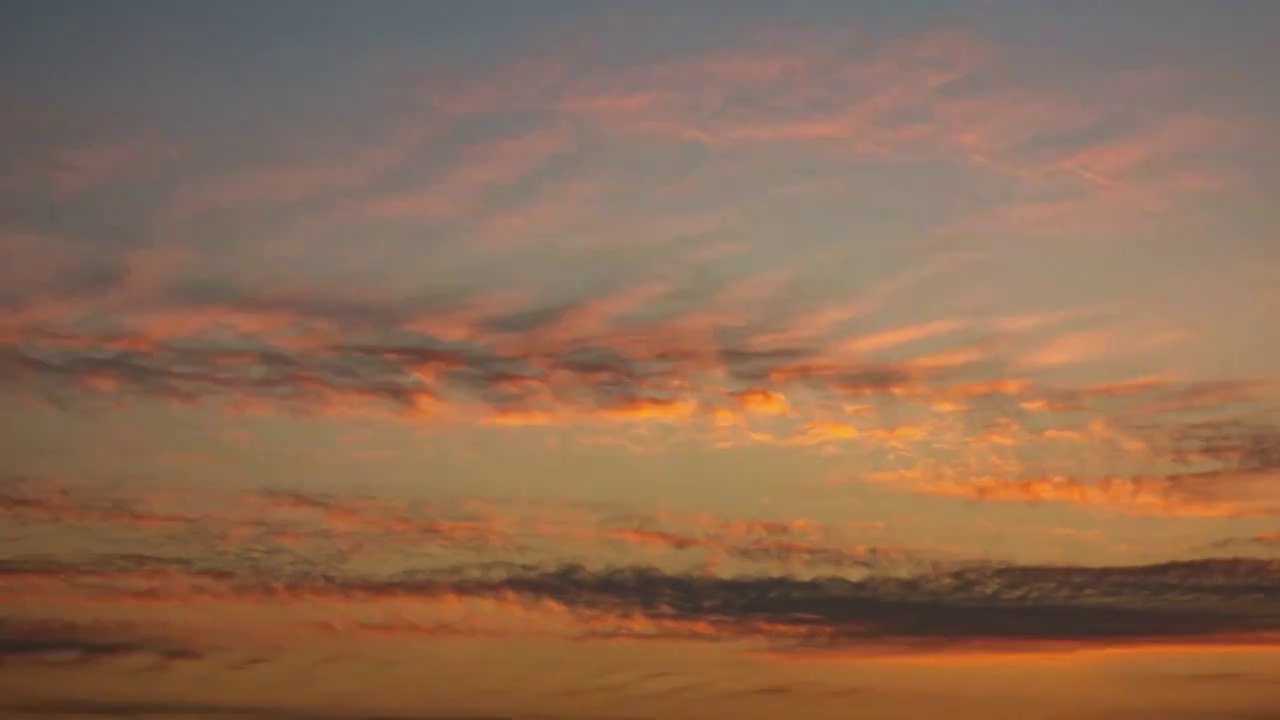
(461, 187)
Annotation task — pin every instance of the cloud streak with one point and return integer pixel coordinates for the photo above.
(956, 609)
(34, 641)
(610, 360)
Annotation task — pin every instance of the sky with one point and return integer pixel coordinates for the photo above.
(574, 360)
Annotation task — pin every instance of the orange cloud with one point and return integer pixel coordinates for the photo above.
(1194, 495)
(641, 536)
(762, 401)
(591, 360)
(520, 416)
(954, 357)
(650, 409)
(1119, 164)
(1075, 347)
(869, 344)
(387, 520)
(57, 508)
(988, 652)
(820, 432)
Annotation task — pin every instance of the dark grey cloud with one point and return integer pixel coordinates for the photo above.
(1235, 443)
(948, 606)
(60, 708)
(525, 321)
(197, 373)
(829, 556)
(753, 364)
(38, 641)
(196, 370)
(1252, 544)
(1172, 601)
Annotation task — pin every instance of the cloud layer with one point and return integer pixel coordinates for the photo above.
(708, 341)
(980, 608)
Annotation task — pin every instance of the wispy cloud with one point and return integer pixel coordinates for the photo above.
(1213, 494)
(879, 339)
(313, 528)
(460, 189)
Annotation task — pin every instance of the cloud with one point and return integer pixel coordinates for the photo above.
(789, 544)
(26, 641)
(307, 530)
(309, 174)
(609, 159)
(643, 536)
(1224, 494)
(641, 293)
(151, 709)
(82, 168)
(888, 339)
(822, 431)
(347, 515)
(1265, 542)
(311, 529)
(624, 356)
(890, 613)
(481, 168)
(61, 510)
(1198, 602)
(64, 157)
(1120, 459)
(816, 88)
(1065, 161)
(919, 606)
(650, 409)
(975, 608)
(762, 401)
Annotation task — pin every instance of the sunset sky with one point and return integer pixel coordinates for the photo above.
(834, 360)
